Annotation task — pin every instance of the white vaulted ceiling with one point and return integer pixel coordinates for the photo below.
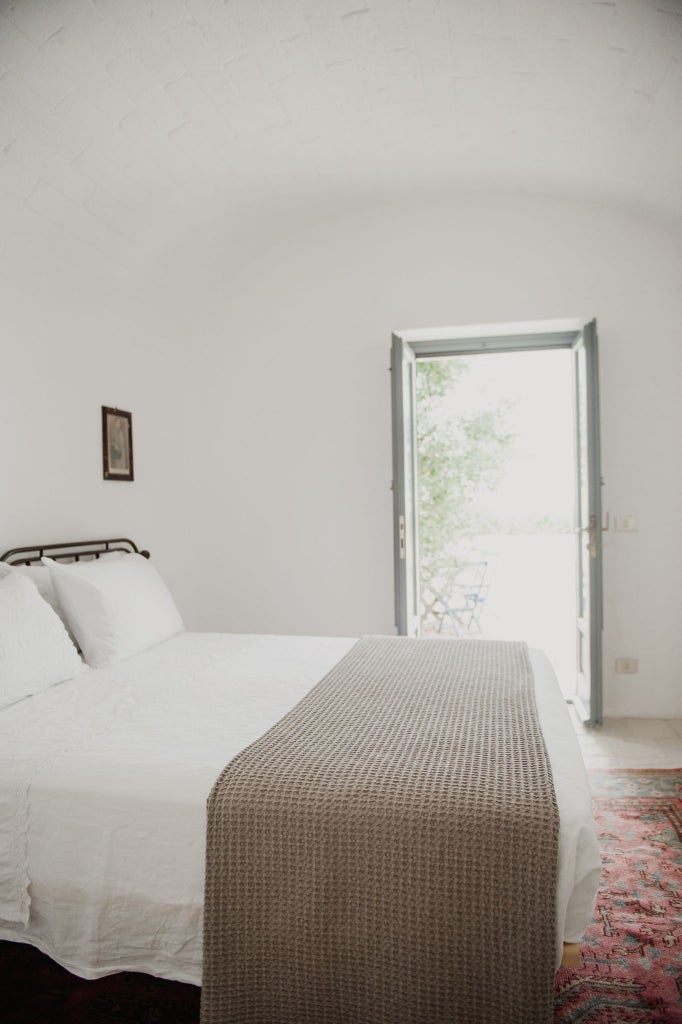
(137, 125)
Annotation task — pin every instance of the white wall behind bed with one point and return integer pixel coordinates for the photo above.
(80, 331)
(293, 391)
(261, 408)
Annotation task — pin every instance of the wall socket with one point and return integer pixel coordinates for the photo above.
(629, 666)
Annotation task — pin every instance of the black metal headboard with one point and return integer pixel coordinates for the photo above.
(70, 552)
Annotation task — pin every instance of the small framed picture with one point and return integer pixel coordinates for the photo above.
(117, 444)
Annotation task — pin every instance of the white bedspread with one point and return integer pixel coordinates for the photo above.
(104, 779)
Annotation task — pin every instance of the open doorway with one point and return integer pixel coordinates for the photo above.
(497, 500)
(461, 595)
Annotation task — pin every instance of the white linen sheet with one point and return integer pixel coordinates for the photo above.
(103, 787)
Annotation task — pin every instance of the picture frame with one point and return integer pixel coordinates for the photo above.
(117, 444)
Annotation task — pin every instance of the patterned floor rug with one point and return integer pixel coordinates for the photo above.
(632, 971)
(632, 953)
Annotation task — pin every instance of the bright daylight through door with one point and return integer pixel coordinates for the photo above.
(496, 470)
(497, 491)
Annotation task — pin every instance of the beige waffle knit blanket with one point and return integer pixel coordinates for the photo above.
(386, 853)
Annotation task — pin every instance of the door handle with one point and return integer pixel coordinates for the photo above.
(592, 533)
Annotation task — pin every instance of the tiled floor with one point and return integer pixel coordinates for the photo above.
(631, 743)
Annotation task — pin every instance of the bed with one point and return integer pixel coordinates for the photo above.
(104, 779)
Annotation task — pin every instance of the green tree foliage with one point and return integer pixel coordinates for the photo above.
(458, 455)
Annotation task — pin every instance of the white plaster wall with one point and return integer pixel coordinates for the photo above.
(293, 410)
(77, 333)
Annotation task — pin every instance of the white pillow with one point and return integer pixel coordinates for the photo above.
(115, 608)
(40, 575)
(35, 650)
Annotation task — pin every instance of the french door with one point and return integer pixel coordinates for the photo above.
(407, 348)
(588, 695)
(405, 487)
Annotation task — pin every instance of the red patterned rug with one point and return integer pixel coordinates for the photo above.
(632, 971)
(632, 953)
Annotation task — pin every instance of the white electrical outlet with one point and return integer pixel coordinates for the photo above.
(627, 524)
(628, 666)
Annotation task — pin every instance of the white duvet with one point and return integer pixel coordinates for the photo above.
(103, 786)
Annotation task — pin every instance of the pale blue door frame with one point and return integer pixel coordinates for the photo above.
(581, 338)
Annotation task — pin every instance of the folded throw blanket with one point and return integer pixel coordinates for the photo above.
(386, 853)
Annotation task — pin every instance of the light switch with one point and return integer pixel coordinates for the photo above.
(626, 523)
